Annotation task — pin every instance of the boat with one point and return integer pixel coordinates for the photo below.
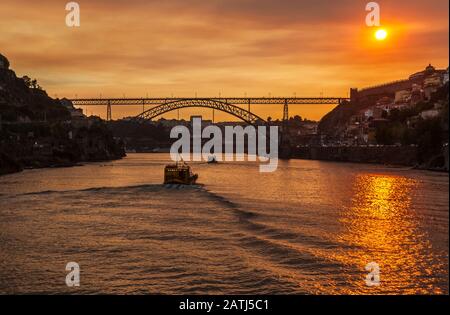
(212, 159)
(179, 173)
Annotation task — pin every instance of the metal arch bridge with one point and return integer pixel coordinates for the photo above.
(228, 105)
(236, 111)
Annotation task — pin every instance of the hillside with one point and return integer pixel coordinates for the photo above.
(38, 131)
(422, 125)
(335, 122)
(21, 102)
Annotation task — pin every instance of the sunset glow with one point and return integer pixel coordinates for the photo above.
(225, 155)
(232, 48)
(381, 34)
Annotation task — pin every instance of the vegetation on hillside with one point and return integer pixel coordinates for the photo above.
(38, 131)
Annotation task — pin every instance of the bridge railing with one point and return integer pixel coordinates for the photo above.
(229, 100)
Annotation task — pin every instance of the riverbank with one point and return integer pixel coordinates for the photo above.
(381, 155)
(10, 165)
(385, 155)
(56, 144)
(37, 131)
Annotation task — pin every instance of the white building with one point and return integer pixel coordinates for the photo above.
(428, 114)
(432, 84)
(76, 113)
(402, 96)
(368, 113)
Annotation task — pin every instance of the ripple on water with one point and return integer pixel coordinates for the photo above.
(308, 229)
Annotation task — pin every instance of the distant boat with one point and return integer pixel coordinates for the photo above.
(212, 159)
(179, 173)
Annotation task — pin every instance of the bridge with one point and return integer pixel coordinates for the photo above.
(228, 105)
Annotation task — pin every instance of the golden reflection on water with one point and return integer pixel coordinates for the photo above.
(380, 226)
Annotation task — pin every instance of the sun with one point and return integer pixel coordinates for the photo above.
(381, 34)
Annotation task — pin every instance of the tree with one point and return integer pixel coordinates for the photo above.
(31, 84)
(429, 138)
(27, 80)
(383, 135)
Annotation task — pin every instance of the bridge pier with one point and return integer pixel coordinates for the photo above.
(285, 111)
(285, 143)
(108, 112)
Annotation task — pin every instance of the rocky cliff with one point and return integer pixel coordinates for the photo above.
(335, 122)
(38, 131)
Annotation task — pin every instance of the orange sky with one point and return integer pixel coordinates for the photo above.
(231, 47)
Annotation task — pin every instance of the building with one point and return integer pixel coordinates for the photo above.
(402, 96)
(422, 75)
(430, 76)
(431, 84)
(368, 113)
(196, 117)
(66, 103)
(75, 113)
(417, 94)
(445, 79)
(385, 102)
(429, 114)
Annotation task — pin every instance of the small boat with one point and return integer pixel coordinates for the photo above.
(179, 173)
(212, 159)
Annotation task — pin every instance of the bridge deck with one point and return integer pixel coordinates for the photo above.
(229, 100)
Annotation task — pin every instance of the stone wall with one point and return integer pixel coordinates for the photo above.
(390, 155)
(373, 94)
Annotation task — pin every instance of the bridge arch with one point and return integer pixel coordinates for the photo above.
(236, 111)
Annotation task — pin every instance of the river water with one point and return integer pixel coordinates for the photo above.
(309, 228)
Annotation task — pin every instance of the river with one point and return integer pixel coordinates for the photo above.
(311, 227)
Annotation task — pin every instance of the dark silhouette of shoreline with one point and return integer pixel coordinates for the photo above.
(38, 131)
